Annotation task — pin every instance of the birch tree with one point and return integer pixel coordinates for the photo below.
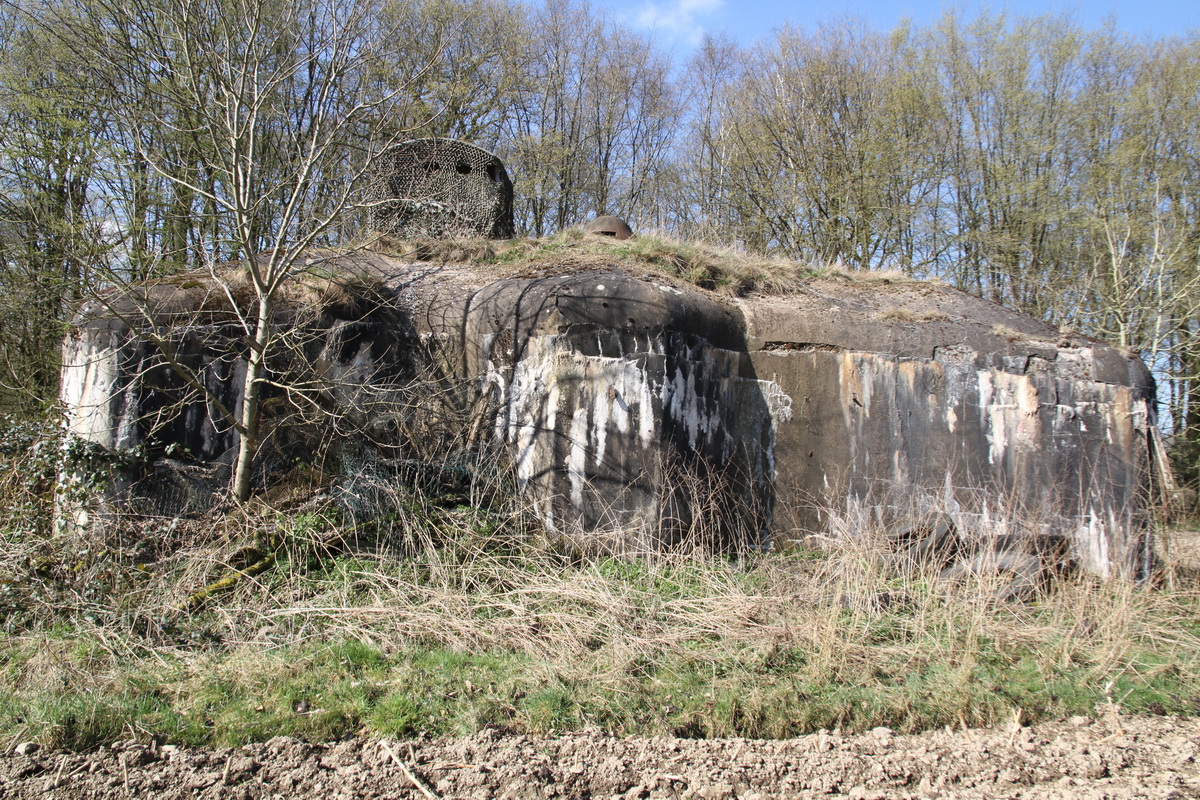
(276, 99)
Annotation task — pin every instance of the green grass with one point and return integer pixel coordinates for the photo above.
(328, 691)
(693, 646)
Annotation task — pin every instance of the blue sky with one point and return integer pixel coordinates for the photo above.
(679, 24)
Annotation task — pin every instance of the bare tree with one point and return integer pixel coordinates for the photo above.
(277, 98)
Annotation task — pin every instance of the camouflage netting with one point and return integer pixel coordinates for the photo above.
(442, 188)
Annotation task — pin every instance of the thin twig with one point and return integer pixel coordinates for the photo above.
(58, 775)
(966, 731)
(417, 782)
(1016, 726)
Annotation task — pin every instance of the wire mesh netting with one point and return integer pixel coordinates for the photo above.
(441, 188)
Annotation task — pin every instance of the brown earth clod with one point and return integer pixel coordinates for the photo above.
(1075, 758)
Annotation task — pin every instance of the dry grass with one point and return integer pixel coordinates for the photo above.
(909, 316)
(719, 269)
(1005, 332)
(868, 275)
(689, 642)
(326, 280)
(399, 610)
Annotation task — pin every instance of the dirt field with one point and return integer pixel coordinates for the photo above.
(1151, 757)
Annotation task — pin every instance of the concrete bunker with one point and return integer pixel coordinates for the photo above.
(619, 398)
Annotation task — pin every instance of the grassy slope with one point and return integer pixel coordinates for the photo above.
(455, 630)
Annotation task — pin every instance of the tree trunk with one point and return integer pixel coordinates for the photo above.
(248, 441)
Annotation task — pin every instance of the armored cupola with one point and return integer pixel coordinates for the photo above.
(608, 225)
(441, 188)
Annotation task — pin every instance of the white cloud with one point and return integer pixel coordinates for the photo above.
(679, 17)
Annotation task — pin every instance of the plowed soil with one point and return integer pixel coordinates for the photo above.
(1152, 757)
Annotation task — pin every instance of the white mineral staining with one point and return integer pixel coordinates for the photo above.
(1091, 541)
(602, 407)
(616, 407)
(577, 461)
(523, 411)
(89, 377)
(1011, 413)
(779, 402)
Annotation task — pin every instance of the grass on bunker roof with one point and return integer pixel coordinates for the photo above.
(716, 268)
(338, 279)
(445, 618)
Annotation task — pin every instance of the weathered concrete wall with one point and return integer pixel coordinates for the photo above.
(1010, 414)
(122, 398)
(153, 380)
(637, 411)
(625, 405)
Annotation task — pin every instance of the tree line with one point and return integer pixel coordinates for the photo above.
(1044, 165)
